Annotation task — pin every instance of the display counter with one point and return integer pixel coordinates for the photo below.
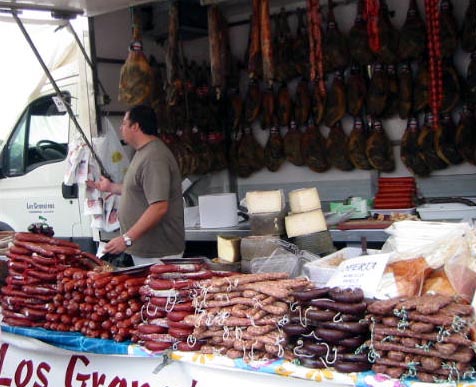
(347, 237)
(28, 358)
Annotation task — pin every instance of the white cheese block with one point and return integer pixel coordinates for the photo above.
(228, 248)
(305, 223)
(264, 201)
(304, 199)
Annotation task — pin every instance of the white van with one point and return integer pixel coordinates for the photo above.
(33, 158)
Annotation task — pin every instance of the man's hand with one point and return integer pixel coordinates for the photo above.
(103, 184)
(115, 245)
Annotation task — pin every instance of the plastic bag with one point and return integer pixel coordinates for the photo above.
(111, 151)
(460, 267)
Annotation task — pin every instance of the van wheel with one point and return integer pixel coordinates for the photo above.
(5, 227)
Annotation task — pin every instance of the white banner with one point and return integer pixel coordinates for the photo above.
(26, 362)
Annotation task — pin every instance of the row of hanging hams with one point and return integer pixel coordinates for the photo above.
(375, 71)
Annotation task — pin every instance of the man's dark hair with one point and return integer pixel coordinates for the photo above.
(144, 116)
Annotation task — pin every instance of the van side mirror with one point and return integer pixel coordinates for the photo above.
(69, 191)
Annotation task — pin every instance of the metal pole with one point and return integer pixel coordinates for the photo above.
(58, 92)
(87, 58)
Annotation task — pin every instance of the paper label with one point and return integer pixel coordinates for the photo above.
(363, 272)
(59, 104)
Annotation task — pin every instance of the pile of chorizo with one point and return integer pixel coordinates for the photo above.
(427, 337)
(35, 260)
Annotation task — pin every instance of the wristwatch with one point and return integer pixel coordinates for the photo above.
(127, 240)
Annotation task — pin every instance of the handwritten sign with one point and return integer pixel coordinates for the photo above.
(362, 272)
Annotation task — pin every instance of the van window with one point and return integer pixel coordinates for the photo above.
(40, 137)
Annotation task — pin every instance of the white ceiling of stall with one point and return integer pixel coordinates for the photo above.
(88, 7)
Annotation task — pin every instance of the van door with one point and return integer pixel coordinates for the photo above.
(32, 171)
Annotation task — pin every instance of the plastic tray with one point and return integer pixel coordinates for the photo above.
(446, 211)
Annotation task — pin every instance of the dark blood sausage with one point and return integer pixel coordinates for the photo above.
(296, 329)
(351, 308)
(346, 295)
(312, 363)
(352, 342)
(318, 349)
(354, 327)
(352, 357)
(310, 294)
(319, 314)
(331, 335)
(349, 366)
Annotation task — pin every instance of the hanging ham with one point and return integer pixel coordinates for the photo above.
(136, 77)
(337, 148)
(421, 88)
(357, 145)
(336, 53)
(274, 150)
(426, 145)
(388, 37)
(358, 38)
(391, 106)
(174, 85)
(445, 145)
(470, 84)
(379, 149)
(250, 154)
(302, 102)
(301, 45)
(377, 94)
(409, 151)
(336, 101)
(284, 105)
(451, 88)
(465, 138)
(448, 29)
(468, 30)
(405, 91)
(356, 91)
(292, 145)
(412, 42)
(313, 149)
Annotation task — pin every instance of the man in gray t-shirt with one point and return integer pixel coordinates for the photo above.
(151, 206)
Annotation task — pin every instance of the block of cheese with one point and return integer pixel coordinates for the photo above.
(259, 202)
(305, 223)
(304, 199)
(228, 248)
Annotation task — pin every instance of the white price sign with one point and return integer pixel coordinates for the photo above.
(362, 272)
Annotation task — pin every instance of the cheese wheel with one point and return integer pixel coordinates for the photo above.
(305, 223)
(228, 248)
(259, 202)
(304, 199)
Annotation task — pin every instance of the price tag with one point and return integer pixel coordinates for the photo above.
(363, 272)
(59, 104)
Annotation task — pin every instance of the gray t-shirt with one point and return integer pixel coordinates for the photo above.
(153, 176)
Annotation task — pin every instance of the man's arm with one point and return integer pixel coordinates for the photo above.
(151, 216)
